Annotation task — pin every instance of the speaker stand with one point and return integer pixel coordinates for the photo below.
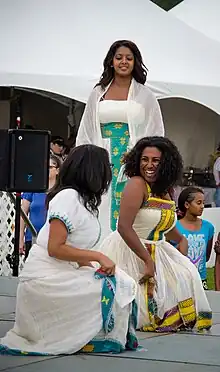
(15, 256)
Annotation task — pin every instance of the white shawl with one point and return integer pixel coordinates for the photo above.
(148, 121)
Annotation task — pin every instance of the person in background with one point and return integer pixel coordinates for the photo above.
(198, 232)
(57, 146)
(34, 205)
(216, 173)
(120, 110)
(69, 145)
(217, 263)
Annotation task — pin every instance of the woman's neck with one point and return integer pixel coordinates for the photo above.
(51, 184)
(190, 218)
(122, 82)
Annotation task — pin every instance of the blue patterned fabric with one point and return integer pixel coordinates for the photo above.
(107, 300)
(118, 133)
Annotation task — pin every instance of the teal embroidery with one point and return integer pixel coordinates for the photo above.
(119, 139)
(4, 350)
(99, 344)
(103, 345)
(107, 300)
(132, 341)
(64, 219)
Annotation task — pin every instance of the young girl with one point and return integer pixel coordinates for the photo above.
(198, 232)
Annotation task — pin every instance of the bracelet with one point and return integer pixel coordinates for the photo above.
(151, 280)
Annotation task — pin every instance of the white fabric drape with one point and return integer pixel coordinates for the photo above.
(147, 122)
(58, 307)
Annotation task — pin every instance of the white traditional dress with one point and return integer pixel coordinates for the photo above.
(178, 300)
(117, 126)
(62, 308)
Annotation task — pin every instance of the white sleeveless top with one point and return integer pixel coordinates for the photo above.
(113, 111)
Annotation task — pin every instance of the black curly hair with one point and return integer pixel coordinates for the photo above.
(187, 195)
(169, 170)
(139, 72)
(87, 170)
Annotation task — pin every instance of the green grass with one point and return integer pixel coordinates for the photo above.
(210, 278)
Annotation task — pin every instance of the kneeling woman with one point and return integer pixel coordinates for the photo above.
(63, 304)
(170, 295)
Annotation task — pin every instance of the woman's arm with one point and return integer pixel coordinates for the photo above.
(25, 204)
(174, 235)
(217, 273)
(209, 249)
(217, 263)
(131, 201)
(58, 249)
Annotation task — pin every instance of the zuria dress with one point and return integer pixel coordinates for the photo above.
(61, 308)
(178, 300)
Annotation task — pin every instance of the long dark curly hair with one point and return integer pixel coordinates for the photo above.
(170, 168)
(139, 72)
(88, 171)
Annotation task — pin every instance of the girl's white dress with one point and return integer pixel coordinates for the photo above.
(62, 308)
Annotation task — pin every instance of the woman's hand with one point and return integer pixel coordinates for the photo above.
(21, 250)
(107, 265)
(149, 272)
(21, 247)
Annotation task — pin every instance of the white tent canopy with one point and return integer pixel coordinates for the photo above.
(202, 15)
(58, 46)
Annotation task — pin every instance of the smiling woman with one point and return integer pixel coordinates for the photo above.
(170, 295)
(120, 111)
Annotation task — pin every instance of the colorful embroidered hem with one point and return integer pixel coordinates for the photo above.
(99, 345)
(204, 320)
(132, 341)
(102, 345)
(181, 317)
(4, 350)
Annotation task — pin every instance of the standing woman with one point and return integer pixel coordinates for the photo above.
(197, 231)
(119, 111)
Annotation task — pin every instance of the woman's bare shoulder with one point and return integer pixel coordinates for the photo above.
(136, 184)
(137, 180)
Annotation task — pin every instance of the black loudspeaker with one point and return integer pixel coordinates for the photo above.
(24, 160)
